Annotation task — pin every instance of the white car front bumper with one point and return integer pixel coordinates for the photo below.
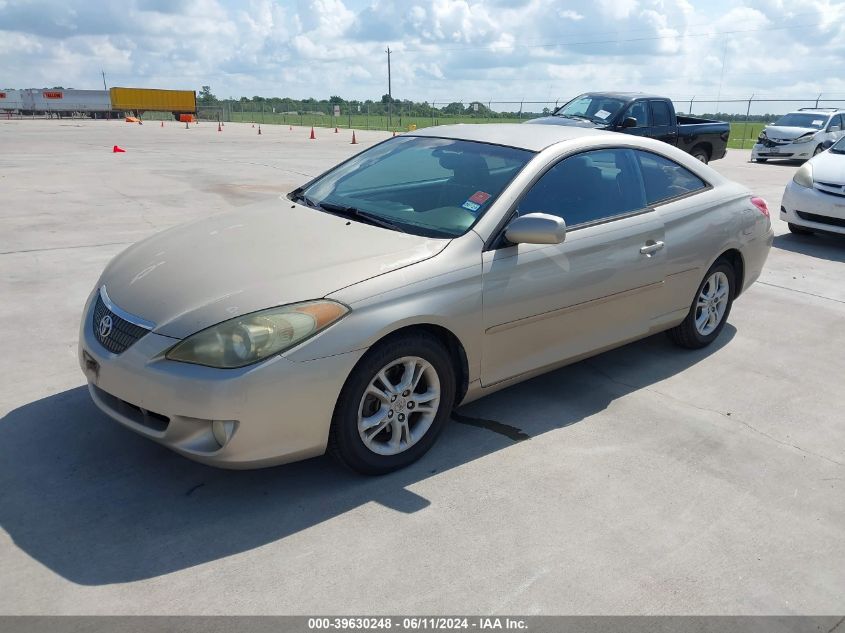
(789, 151)
(813, 209)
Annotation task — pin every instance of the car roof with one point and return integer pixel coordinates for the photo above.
(824, 111)
(534, 138)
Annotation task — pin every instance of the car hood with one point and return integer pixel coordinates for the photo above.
(198, 274)
(787, 133)
(559, 120)
(829, 167)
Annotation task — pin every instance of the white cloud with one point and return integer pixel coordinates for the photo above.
(444, 49)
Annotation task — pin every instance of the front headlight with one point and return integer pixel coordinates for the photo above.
(253, 337)
(804, 139)
(804, 176)
(762, 137)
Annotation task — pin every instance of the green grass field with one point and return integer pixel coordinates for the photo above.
(742, 135)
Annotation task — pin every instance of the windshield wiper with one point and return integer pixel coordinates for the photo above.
(364, 216)
(297, 194)
(577, 117)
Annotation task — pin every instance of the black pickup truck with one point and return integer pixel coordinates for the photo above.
(644, 115)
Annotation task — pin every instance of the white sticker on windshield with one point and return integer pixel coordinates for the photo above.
(818, 122)
(602, 114)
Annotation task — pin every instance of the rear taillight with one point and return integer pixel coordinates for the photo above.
(761, 205)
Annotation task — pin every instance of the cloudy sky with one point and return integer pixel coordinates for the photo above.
(444, 49)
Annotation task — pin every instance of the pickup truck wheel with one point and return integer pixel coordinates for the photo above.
(700, 154)
(761, 160)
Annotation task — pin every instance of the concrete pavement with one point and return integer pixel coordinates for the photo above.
(655, 480)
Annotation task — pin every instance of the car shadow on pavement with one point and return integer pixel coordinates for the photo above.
(97, 504)
(819, 245)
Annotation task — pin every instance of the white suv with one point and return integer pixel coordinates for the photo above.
(799, 135)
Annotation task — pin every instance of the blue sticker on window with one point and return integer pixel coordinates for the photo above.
(471, 206)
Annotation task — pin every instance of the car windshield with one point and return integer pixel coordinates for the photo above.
(591, 107)
(803, 119)
(426, 186)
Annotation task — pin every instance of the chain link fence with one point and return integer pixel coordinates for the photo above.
(747, 115)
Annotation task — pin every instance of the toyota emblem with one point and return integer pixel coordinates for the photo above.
(105, 326)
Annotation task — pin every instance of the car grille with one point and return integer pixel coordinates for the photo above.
(831, 188)
(122, 333)
(821, 219)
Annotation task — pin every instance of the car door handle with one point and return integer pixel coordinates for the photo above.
(648, 249)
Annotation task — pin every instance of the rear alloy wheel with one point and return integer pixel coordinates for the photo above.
(798, 230)
(710, 309)
(393, 405)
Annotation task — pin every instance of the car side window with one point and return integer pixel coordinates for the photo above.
(665, 179)
(835, 124)
(639, 111)
(660, 113)
(588, 187)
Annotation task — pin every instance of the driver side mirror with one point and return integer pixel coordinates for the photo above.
(536, 228)
(629, 121)
(827, 145)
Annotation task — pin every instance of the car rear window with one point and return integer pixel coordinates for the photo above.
(665, 179)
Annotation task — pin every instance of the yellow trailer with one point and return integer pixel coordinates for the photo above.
(142, 100)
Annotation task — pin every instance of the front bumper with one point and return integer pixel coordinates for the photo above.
(813, 209)
(281, 409)
(789, 151)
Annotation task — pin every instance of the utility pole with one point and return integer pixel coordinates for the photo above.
(389, 93)
(104, 79)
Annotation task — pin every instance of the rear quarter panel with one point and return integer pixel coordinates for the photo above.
(699, 229)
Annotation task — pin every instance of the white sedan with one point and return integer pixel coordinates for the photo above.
(814, 199)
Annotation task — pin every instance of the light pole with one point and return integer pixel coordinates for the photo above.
(389, 93)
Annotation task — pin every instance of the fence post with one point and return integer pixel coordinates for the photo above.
(745, 128)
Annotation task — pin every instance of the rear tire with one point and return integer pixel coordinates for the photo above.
(710, 308)
(761, 160)
(700, 154)
(798, 230)
(381, 423)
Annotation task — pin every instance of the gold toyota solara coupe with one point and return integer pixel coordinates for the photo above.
(429, 270)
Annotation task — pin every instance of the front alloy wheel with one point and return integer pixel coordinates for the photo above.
(394, 404)
(399, 405)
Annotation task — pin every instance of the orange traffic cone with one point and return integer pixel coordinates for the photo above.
(117, 149)
(354, 142)
(219, 129)
(313, 136)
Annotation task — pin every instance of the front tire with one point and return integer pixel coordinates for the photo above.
(710, 308)
(394, 404)
(761, 160)
(819, 149)
(798, 230)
